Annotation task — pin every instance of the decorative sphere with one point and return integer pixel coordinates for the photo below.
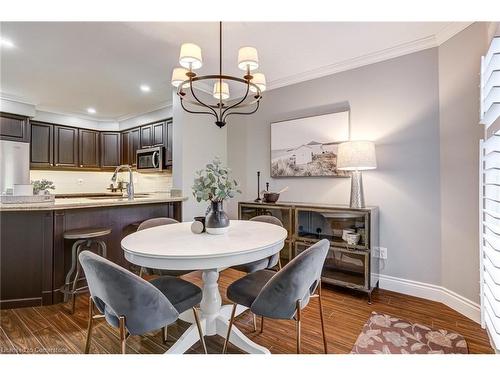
(197, 227)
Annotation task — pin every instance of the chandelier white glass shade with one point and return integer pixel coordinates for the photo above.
(190, 56)
(179, 76)
(221, 94)
(259, 80)
(248, 59)
(192, 92)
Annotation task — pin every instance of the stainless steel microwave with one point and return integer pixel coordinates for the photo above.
(150, 159)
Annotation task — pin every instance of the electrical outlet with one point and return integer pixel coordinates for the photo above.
(80, 181)
(382, 252)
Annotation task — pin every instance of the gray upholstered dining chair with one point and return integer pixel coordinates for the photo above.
(155, 222)
(262, 264)
(282, 294)
(132, 304)
(266, 263)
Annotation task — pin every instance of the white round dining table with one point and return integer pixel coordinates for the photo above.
(175, 247)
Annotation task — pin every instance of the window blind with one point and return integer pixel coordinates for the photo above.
(490, 195)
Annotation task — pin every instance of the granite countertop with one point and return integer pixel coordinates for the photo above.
(85, 201)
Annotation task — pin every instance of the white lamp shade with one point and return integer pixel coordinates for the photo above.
(217, 91)
(179, 76)
(190, 56)
(248, 58)
(258, 79)
(356, 155)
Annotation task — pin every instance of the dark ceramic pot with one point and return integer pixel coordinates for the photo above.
(217, 221)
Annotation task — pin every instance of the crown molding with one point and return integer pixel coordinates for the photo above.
(165, 104)
(450, 30)
(386, 54)
(17, 99)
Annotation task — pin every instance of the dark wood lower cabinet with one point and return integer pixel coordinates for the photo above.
(26, 259)
(35, 257)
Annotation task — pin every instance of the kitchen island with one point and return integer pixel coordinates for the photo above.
(34, 256)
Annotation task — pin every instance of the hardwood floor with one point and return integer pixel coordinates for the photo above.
(50, 329)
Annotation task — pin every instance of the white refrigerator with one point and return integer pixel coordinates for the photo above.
(14, 164)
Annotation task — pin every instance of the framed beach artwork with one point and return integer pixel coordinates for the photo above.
(307, 147)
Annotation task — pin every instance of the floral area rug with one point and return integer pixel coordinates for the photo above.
(384, 334)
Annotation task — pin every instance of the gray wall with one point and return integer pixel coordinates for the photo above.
(197, 140)
(459, 64)
(394, 103)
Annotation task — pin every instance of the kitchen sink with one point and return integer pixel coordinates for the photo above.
(140, 195)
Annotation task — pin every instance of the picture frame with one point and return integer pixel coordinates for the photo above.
(307, 146)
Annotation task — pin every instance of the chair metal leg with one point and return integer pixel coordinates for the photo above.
(141, 272)
(200, 331)
(325, 345)
(104, 248)
(254, 322)
(123, 335)
(89, 327)
(279, 264)
(297, 325)
(164, 332)
(261, 324)
(233, 313)
(74, 262)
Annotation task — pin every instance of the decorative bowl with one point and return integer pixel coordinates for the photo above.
(271, 197)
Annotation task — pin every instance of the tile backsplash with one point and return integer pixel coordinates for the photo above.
(97, 182)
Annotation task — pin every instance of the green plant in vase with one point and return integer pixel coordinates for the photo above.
(214, 184)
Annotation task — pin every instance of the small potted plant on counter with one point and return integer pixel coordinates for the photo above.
(214, 185)
(41, 187)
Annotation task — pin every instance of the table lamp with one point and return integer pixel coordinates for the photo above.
(356, 156)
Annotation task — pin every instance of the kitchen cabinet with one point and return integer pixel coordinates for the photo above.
(110, 149)
(42, 145)
(135, 142)
(26, 259)
(146, 136)
(88, 146)
(169, 143)
(126, 149)
(65, 146)
(130, 145)
(35, 257)
(159, 134)
(14, 128)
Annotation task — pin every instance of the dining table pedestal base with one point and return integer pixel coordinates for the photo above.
(214, 319)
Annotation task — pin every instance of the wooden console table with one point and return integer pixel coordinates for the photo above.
(352, 266)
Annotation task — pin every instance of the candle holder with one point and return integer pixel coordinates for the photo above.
(258, 200)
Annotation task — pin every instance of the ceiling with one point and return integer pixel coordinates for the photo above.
(67, 67)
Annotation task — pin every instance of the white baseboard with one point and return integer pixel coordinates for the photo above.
(434, 293)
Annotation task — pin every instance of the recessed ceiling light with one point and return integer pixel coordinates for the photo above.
(6, 43)
(145, 88)
(91, 110)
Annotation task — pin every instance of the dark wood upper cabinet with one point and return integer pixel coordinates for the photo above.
(126, 151)
(110, 149)
(88, 148)
(130, 145)
(159, 134)
(42, 146)
(14, 128)
(65, 146)
(146, 136)
(169, 143)
(135, 144)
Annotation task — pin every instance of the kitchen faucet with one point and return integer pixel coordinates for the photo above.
(130, 185)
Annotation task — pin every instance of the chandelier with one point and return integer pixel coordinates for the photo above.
(192, 94)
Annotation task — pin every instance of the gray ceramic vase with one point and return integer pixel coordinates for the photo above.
(217, 221)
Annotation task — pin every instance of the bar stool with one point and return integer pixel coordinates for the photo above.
(85, 239)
